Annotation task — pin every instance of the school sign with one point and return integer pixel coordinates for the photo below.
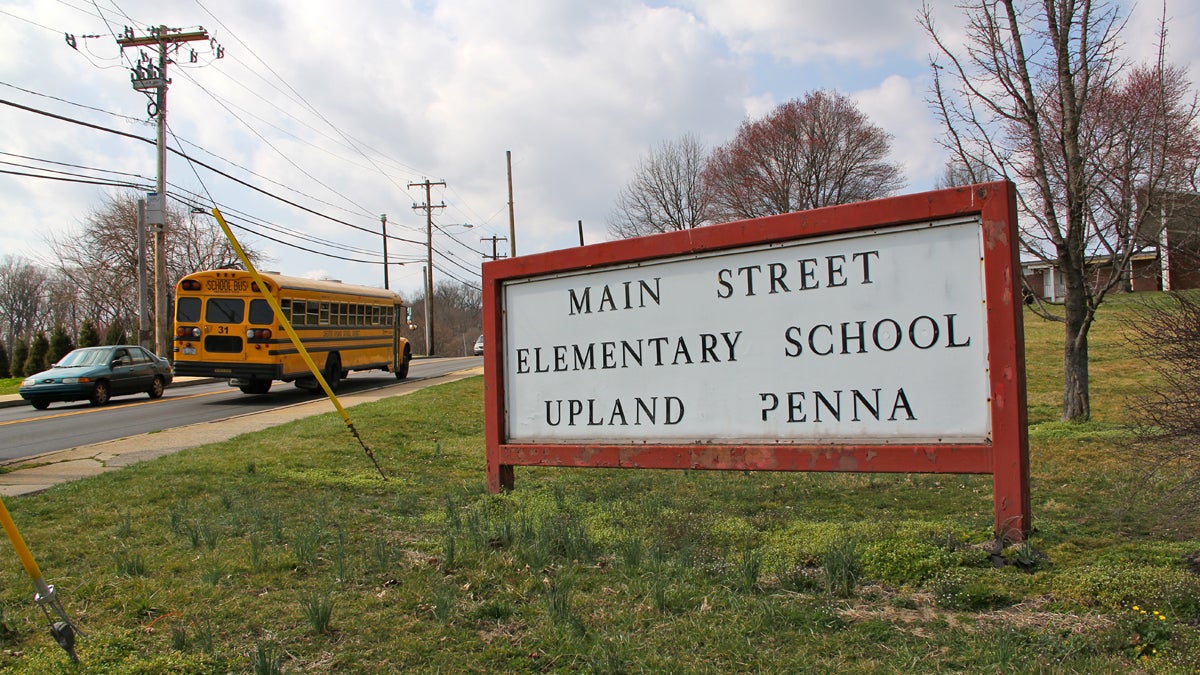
(881, 336)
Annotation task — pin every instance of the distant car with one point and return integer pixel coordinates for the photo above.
(98, 373)
(479, 346)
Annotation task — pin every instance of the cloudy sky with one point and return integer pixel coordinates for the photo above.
(339, 106)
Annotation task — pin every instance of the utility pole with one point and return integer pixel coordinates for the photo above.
(143, 299)
(428, 207)
(512, 222)
(147, 77)
(495, 253)
(383, 222)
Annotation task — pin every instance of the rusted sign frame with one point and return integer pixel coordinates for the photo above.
(1006, 457)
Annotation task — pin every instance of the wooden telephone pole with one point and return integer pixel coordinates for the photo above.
(147, 76)
(428, 207)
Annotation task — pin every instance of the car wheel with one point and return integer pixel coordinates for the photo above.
(156, 388)
(333, 371)
(100, 393)
(402, 370)
(40, 405)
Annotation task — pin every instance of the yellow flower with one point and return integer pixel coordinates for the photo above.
(1161, 617)
(1136, 608)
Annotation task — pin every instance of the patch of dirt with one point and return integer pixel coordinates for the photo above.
(1023, 616)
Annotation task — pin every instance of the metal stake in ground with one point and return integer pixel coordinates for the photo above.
(287, 326)
(63, 630)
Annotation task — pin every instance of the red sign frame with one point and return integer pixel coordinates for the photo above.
(1006, 457)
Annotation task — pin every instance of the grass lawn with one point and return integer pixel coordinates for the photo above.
(283, 551)
(10, 385)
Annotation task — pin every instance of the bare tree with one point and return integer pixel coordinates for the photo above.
(959, 172)
(666, 192)
(817, 151)
(1040, 95)
(459, 311)
(100, 259)
(1166, 333)
(21, 294)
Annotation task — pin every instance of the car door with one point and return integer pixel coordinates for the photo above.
(143, 369)
(124, 376)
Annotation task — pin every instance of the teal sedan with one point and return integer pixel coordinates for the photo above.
(96, 374)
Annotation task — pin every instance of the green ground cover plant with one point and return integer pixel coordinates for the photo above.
(9, 385)
(283, 551)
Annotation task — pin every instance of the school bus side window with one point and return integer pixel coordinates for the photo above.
(285, 306)
(314, 312)
(299, 310)
(187, 310)
(260, 313)
(324, 313)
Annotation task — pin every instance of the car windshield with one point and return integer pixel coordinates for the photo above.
(84, 357)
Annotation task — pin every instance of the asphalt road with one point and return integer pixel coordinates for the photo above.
(25, 432)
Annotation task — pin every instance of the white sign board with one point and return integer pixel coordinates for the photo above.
(871, 337)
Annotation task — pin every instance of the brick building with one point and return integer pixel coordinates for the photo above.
(1169, 259)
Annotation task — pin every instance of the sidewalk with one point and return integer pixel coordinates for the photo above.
(36, 474)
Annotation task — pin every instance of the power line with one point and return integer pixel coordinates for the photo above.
(184, 141)
(67, 179)
(90, 180)
(310, 107)
(68, 102)
(272, 146)
(203, 164)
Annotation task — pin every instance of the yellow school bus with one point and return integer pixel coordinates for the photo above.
(225, 328)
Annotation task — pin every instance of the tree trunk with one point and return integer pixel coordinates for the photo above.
(1077, 405)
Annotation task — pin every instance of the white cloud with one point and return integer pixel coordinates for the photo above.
(578, 91)
(898, 106)
(857, 32)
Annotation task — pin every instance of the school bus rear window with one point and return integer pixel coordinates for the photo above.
(224, 310)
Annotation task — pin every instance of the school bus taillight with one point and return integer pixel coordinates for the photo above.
(189, 285)
(258, 334)
(187, 332)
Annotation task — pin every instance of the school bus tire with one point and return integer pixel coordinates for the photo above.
(256, 386)
(333, 371)
(402, 369)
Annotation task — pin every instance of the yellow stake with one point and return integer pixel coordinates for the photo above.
(287, 326)
(14, 535)
(63, 631)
